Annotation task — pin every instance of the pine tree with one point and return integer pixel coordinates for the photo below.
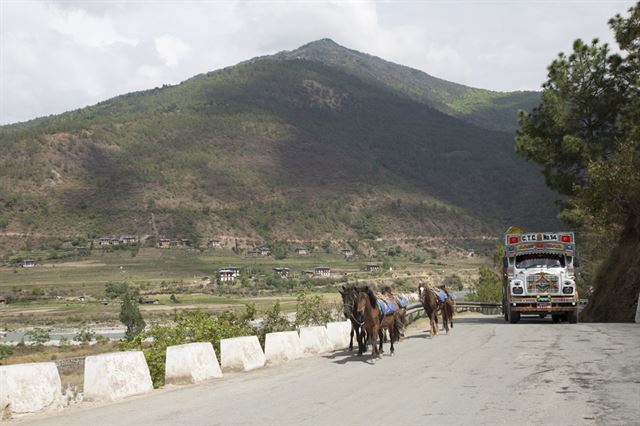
(130, 316)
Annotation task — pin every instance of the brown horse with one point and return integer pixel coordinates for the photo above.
(432, 306)
(387, 292)
(447, 308)
(429, 302)
(375, 321)
(349, 295)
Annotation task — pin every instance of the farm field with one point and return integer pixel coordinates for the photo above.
(72, 293)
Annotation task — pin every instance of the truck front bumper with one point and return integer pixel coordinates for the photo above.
(533, 306)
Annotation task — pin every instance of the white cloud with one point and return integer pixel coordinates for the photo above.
(86, 29)
(171, 49)
(56, 56)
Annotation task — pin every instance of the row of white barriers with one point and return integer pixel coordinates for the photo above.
(35, 387)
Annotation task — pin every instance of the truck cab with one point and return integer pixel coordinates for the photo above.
(539, 276)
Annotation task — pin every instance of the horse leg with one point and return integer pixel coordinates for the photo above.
(393, 332)
(434, 324)
(351, 340)
(445, 319)
(363, 340)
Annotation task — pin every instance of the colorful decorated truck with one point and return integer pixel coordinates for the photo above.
(539, 275)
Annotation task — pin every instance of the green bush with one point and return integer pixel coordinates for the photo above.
(115, 290)
(5, 351)
(38, 335)
(312, 310)
(84, 336)
(274, 321)
(488, 288)
(196, 326)
(454, 282)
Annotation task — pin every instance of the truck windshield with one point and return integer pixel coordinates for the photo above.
(539, 260)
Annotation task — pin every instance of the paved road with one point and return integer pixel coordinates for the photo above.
(485, 372)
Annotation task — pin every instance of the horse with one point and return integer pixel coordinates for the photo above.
(429, 302)
(447, 308)
(349, 295)
(432, 305)
(402, 310)
(375, 321)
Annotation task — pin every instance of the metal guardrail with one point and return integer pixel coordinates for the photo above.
(415, 310)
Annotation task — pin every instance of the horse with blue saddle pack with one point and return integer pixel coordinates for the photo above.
(402, 301)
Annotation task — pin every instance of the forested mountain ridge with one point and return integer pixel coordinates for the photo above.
(484, 108)
(267, 148)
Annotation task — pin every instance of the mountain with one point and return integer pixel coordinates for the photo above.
(269, 148)
(484, 108)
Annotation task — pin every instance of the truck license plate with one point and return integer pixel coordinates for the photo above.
(544, 305)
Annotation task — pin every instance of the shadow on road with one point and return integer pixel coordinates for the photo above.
(499, 320)
(345, 356)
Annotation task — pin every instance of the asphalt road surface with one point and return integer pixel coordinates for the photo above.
(485, 372)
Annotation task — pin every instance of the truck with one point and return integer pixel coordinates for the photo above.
(539, 275)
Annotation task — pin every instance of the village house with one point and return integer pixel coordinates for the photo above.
(108, 241)
(372, 267)
(323, 271)
(28, 263)
(164, 243)
(264, 251)
(309, 272)
(471, 252)
(129, 239)
(283, 272)
(214, 244)
(229, 273)
(348, 252)
(301, 251)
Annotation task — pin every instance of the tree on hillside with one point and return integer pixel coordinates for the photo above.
(130, 316)
(586, 131)
(586, 136)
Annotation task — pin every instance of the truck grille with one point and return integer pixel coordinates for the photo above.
(543, 283)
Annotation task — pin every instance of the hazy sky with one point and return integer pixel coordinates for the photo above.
(61, 55)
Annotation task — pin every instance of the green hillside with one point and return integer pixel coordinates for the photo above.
(266, 149)
(485, 108)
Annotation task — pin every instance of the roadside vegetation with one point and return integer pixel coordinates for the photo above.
(586, 136)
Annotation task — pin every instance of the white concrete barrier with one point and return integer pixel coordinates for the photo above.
(338, 333)
(241, 353)
(116, 375)
(315, 340)
(282, 346)
(191, 363)
(29, 388)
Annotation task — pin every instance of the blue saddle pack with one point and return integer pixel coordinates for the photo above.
(387, 307)
(441, 295)
(403, 301)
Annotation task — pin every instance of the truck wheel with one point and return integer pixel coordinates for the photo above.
(514, 317)
(505, 312)
(542, 316)
(555, 318)
(572, 317)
